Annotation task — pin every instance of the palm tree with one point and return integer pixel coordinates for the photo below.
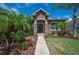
(63, 25)
(10, 23)
(74, 6)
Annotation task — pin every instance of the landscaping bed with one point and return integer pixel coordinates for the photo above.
(62, 36)
(16, 50)
(63, 46)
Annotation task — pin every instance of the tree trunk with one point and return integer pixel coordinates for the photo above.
(7, 45)
(74, 21)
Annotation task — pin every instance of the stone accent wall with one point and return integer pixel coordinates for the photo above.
(46, 26)
(41, 17)
(35, 27)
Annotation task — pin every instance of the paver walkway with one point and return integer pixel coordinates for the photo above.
(41, 47)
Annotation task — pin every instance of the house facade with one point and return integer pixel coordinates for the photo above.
(43, 24)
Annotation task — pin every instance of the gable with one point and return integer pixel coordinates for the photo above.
(40, 11)
(40, 15)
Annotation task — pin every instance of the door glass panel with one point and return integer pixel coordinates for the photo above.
(40, 27)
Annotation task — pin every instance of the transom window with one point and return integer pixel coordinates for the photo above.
(40, 22)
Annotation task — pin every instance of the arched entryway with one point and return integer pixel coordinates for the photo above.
(40, 26)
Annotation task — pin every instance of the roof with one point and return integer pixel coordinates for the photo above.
(56, 19)
(40, 10)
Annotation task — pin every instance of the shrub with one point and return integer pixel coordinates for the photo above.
(24, 45)
(19, 36)
(55, 34)
(77, 33)
(70, 33)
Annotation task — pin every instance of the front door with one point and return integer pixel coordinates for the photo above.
(40, 27)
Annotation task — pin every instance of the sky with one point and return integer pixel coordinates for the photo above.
(30, 8)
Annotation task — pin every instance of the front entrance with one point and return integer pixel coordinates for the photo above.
(40, 26)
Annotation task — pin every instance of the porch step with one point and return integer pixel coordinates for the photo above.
(41, 34)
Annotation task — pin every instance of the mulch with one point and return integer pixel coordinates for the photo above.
(15, 50)
(68, 36)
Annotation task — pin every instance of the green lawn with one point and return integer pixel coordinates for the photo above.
(60, 46)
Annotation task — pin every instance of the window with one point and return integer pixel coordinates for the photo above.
(53, 26)
(77, 24)
(77, 27)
